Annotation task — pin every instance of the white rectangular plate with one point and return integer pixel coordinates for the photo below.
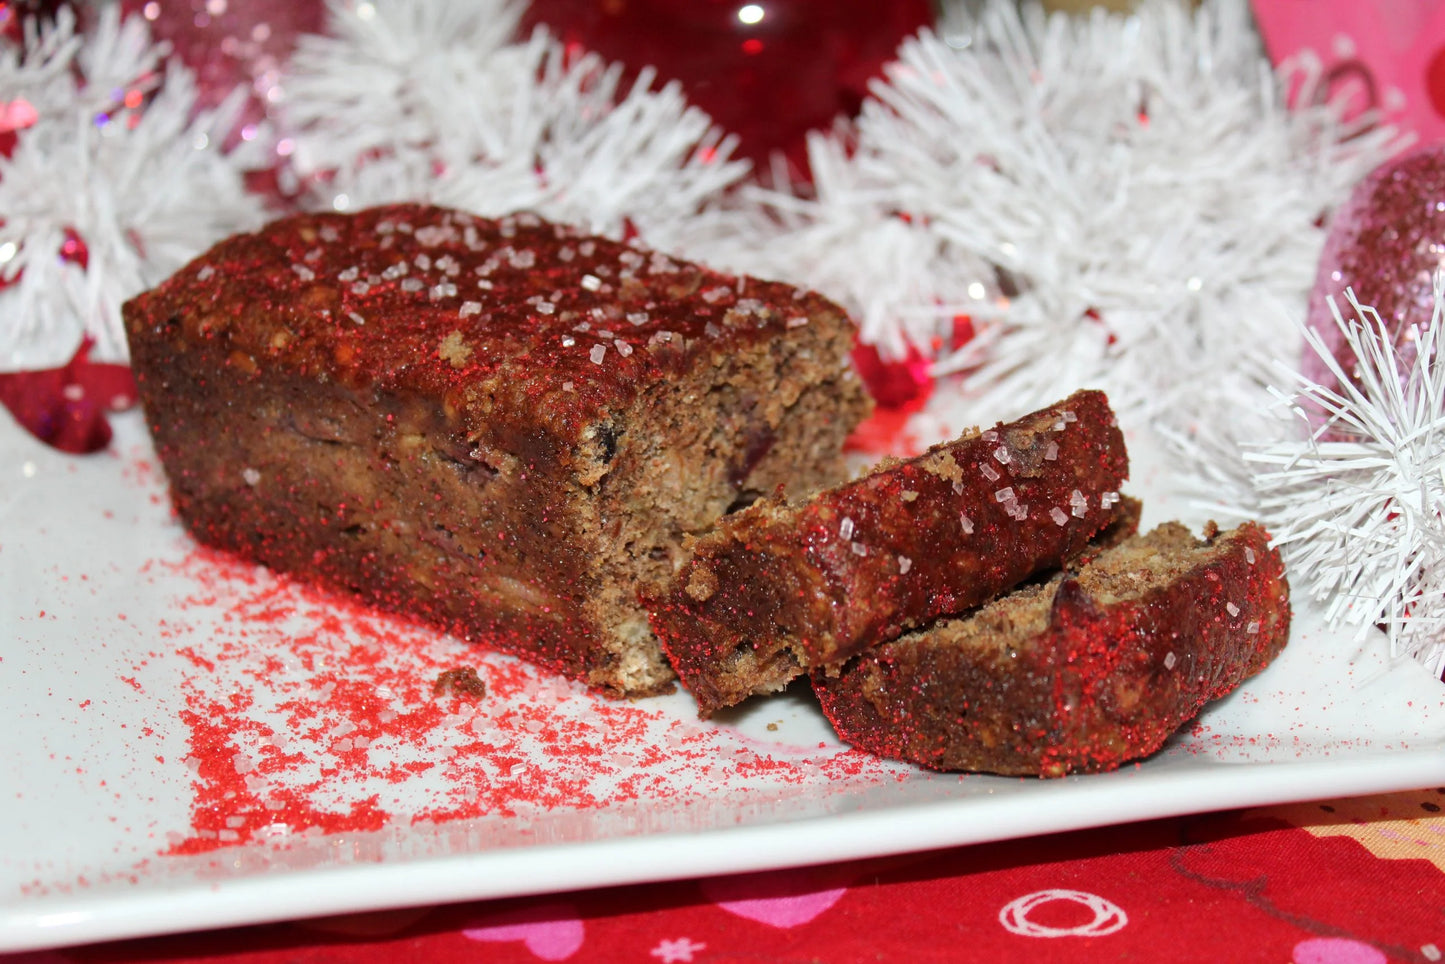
(190, 742)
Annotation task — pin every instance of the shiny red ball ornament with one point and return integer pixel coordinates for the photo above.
(768, 71)
(900, 387)
(1386, 244)
(232, 43)
(907, 383)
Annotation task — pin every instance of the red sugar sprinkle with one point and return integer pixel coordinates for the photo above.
(312, 713)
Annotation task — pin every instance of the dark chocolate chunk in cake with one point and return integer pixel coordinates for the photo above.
(501, 426)
(780, 588)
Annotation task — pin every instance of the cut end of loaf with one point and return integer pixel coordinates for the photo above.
(785, 587)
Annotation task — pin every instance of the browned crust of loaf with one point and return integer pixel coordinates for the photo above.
(1079, 674)
(780, 588)
(491, 317)
(438, 442)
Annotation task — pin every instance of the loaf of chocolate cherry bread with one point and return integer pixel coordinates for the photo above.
(499, 426)
(1083, 672)
(779, 588)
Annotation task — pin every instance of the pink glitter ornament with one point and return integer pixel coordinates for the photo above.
(1386, 244)
(768, 71)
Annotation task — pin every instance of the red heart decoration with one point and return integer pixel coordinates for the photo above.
(66, 407)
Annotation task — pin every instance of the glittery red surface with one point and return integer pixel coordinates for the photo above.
(518, 314)
(1108, 676)
(232, 44)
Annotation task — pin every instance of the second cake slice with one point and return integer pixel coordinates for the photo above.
(1088, 670)
(777, 589)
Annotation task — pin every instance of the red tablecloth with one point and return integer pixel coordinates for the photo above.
(1353, 881)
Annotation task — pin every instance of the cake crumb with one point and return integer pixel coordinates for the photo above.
(460, 681)
(942, 465)
(701, 584)
(454, 350)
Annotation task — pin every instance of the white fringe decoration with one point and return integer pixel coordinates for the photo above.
(426, 100)
(1117, 201)
(145, 187)
(1350, 479)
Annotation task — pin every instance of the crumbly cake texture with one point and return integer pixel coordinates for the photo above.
(502, 427)
(1082, 673)
(779, 588)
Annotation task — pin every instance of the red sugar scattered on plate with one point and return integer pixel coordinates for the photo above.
(312, 713)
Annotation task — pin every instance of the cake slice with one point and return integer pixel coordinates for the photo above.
(780, 588)
(502, 427)
(1080, 673)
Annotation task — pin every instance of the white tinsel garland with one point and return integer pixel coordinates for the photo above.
(141, 183)
(1349, 478)
(428, 100)
(1117, 201)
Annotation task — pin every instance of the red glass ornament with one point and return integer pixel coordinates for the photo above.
(1386, 244)
(232, 43)
(768, 71)
(66, 407)
(899, 387)
(906, 383)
